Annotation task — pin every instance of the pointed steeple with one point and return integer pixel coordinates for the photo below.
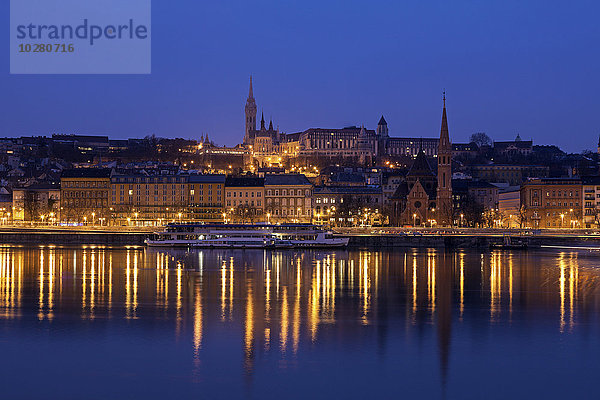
(250, 112)
(271, 125)
(444, 174)
(262, 121)
(444, 135)
(382, 121)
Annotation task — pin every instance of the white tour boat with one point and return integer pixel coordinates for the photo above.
(261, 236)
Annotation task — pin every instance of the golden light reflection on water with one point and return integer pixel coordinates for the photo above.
(283, 302)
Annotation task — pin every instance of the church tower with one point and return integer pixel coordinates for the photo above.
(250, 115)
(444, 174)
(364, 148)
(383, 137)
(382, 128)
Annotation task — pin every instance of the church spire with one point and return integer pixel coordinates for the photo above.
(271, 125)
(250, 112)
(444, 206)
(262, 121)
(444, 135)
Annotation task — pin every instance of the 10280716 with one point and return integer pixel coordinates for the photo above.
(46, 48)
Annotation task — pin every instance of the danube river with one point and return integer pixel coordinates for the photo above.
(111, 323)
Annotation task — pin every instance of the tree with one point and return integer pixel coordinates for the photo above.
(491, 216)
(522, 216)
(473, 211)
(481, 139)
(245, 213)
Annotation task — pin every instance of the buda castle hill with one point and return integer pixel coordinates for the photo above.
(349, 176)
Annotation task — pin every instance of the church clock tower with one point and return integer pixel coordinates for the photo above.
(250, 115)
(444, 174)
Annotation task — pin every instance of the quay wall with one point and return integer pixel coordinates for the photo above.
(467, 241)
(58, 237)
(463, 240)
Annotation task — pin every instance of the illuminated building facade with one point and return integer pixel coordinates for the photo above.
(591, 199)
(206, 196)
(147, 198)
(552, 203)
(288, 198)
(244, 198)
(38, 203)
(85, 194)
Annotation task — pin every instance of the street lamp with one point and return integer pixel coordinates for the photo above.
(562, 219)
(179, 215)
(93, 218)
(268, 218)
(462, 216)
(136, 216)
(85, 220)
(414, 219)
(571, 216)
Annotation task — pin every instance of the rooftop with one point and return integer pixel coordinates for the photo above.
(213, 178)
(287, 179)
(87, 173)
(356, 190)
(244, 181)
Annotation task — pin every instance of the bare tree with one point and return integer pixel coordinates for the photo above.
(522, 216)
(481, 139)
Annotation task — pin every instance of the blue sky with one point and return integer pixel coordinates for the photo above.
(508, 67)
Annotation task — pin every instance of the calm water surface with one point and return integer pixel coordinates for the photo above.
(111, 323)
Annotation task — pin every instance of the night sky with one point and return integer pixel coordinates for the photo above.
(508, 67)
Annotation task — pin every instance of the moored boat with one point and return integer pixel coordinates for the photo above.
(509, 243)
(262, 236)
